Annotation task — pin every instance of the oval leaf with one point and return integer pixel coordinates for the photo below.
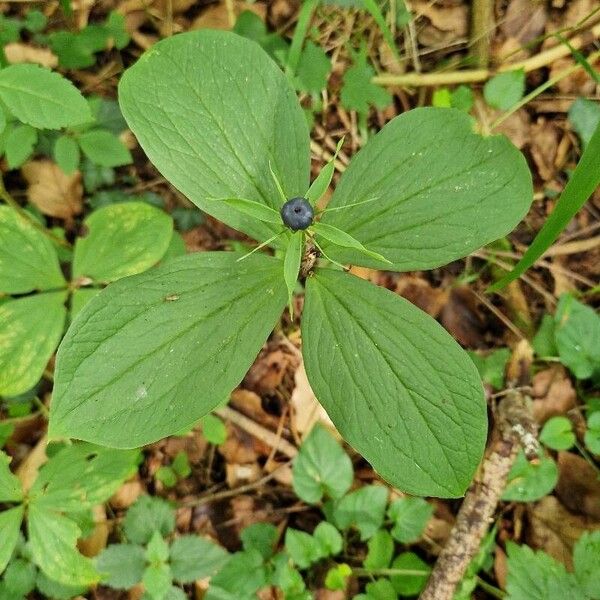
(28, 260)
(212, 110)
(31, 330)
(406, 396)
(41, 98)
(122, 239)
(442, 191)
(151, 354)
(10, 525)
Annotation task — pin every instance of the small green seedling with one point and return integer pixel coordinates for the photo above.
(170, 344)
(180, 468)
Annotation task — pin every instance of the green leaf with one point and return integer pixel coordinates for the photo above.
(28, 260)
(422, 421)
(321, 467)
(584, 180)
(194, 557)
(53, 538)
(10, 485)
(409, 585)
(537, 576)
(557, 433)
(303, 548)
(381, 550)
(250, 563)
(157, 550)
(181, 465)
(528, 482)
(329, 538)
(157, 580)
(313, 69)
(584, 116)
(80, 297)
(19, 144)
(319, 186)
(492, 367)
(80, 476)
(66, 153)
(121, 565)
(382, 589)
(577, 336)
(592, 434)
(10, 525)
(261, 537)
(31, 329)
(58, 591)
(345, 240)
(543, 342)
(410, 517)
(505, 89)
(167, 476)
(363, 508)
(41, 98)
(586, 556)
(122, 239)
(104, 148)
(337, 577)
(253, 209)
(146, 516)
(291, 266)
(229, 307)
(173, 100)
(19, 578)
(442, 191)
(213, 429)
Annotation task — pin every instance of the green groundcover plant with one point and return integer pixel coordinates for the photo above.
(151, 354)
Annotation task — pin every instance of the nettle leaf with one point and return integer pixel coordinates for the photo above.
(66, 154)
(10, 526)
(104, 148)
(10, 485)
(31, 329)
(19, 145)
(442, 191)
(41, 98)
(53, 538)
(157, 580)
(121, 565)
(193, 557)
(122, 239)
(131, 334)
(212, 110)
(363, 508)
(586, 555)
(28, 260)
(410, 516)
(147, 515)
(405, 396)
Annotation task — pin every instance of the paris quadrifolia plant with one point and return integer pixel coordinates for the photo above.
(152, 353)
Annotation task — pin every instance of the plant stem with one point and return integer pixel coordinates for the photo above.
(359, 572)
(481, 27)
(490, 589)
(5, 195)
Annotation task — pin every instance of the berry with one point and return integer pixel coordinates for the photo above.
(297, 214)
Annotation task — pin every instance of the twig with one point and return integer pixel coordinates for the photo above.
(514, 427)
(533, 63)
(481, 21)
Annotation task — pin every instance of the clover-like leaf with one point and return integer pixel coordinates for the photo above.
(443, 191)
(405, 394)
(202, 318)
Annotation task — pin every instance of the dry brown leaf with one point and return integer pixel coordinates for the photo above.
(555, 530)
(307, 409)
(516, 128)
(544, 145)
(578, 486)
(236, 474)
(96, 542)
(17, 52)
(420, 292)
(127, 494)
(446, 23)
(524, 21)
(462, 318)
(29, 468)
(239, 447)
(578, 83)
(216, 16)
(53, 192)
(553, 393)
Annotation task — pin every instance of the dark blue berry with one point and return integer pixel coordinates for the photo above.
(297, 214)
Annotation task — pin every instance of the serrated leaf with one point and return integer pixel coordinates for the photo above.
(261, 537)
(321, 467)
(228, 580)
(31, 329)
(28, 259)
(66, 154)
(291, 266)
(410, 516)
(364, 509)
(58, 591)
(303, 548)
(157, 550)
(118, 371)
(313, 69)
(10, 485)
(381, 550)
(329, 537)
(41, 98)
(147, 515)
(53, 538)
(10, 525)
(253, 209)
(121, 240)
(193, 557)
(422, 421)
(157, 580)
(19, 144)
(442, 191)
(358, 92)
(104, 148)
(586, 556)
(121, 565)
(19, 579)
(211, 111)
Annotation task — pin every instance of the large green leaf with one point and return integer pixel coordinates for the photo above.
(212, 110)
(52, 539)
(122, 239)
(153, 353)
(405, 395)
(10, 525)
(30, 331)
(41, 98)
(28, 260)
(10, 486)
(442, 191)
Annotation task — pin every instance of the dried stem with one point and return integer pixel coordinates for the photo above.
(482, 15)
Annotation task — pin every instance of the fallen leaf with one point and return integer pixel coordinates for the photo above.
(544, 145)
(421, 293)
(462, 318)
(553, 393)
(578, 486)
(95, 542)
(446, 23)
(17, 52)
(127, 494)
(53, 192)
(307, 409)
(216, 16)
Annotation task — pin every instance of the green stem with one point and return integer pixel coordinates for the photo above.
(490, 589)
(389, 572)
(302, 25)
